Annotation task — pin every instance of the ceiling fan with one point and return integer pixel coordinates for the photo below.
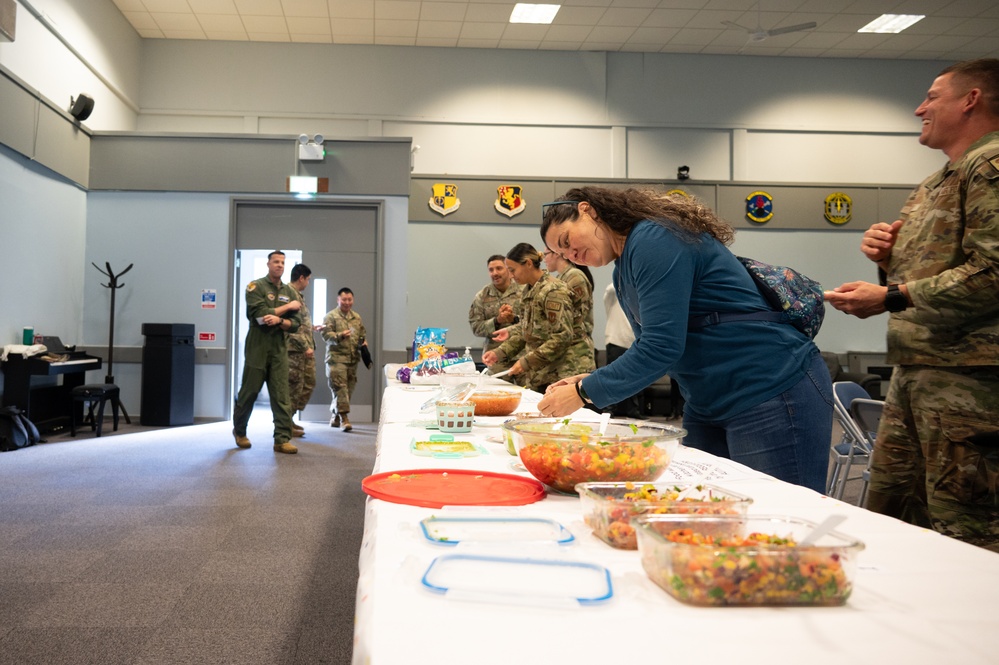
(758, 34)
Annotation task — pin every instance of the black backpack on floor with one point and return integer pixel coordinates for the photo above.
(16, 431)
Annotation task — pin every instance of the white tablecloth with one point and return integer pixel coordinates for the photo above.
(918, 597)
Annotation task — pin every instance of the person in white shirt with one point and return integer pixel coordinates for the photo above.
(618, 336)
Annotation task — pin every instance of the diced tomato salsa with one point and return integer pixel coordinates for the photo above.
(562, 464)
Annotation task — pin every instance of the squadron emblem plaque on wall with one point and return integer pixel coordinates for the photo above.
(444, 198)
(838, 208)
(759, 207)
(510, 200)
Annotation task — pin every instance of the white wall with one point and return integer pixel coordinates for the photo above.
(42, 229)
(102, 58)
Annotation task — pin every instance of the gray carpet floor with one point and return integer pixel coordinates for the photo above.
(171, 545)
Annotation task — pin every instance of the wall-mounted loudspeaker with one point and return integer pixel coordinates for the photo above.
(81, 107)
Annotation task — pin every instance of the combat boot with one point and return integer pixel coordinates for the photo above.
(285, 447)
(345, 423)
(241, 440)
(335, 420)
(297, 430)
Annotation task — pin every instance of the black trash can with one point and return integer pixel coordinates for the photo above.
(167, 374)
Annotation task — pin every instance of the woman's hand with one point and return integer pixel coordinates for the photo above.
(561, 398)
(489, 358)
(501, 335)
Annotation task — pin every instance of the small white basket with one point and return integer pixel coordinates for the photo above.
(455, 417)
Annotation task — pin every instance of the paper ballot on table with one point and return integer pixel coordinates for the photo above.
(691, 464)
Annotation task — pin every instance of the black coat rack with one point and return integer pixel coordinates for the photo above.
(114, 285)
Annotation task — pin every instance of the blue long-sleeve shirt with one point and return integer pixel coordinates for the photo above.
(663, 278)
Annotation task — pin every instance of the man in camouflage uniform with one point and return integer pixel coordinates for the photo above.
(301, 351)
(581, 357)
(496, 306)
(272, 310)
(936, 458)
(544, 332)
(344, 333)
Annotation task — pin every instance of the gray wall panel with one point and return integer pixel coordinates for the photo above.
(62, 146)
(477, 196)
(244, 163)
(18, 110)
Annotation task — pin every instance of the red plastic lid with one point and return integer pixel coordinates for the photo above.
(436, 488)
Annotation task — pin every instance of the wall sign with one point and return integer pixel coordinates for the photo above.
(444, 198)
(208, 298)
(759, 207)
(510, 200)
(838, 208)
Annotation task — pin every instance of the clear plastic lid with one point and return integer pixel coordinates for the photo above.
(454, 530)
(507, 580)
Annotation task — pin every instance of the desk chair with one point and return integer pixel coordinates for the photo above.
(95, 395)
(867, 414)
(854, 447)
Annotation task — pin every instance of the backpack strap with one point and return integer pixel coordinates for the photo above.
(698, 322)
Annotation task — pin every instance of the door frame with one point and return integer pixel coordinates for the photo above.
(377, 205)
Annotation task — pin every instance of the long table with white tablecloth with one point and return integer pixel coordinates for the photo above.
(918, 597)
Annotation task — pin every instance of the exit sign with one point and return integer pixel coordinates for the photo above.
(206, 337)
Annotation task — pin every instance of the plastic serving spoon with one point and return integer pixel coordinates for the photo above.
(695, 483)
(604, 420)
(824, 527)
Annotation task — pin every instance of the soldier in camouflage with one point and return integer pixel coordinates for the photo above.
(582, 359)
(301, 351)
(936, 457)
(272, 310)
(344, 333)
(544, 332)
(496, 306)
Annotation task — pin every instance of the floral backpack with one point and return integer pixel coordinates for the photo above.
(795, 298)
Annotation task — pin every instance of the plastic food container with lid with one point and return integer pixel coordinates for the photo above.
(745, 560)
(609, 507)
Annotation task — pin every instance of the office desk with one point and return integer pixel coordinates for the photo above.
(918, 597)
(48, 407)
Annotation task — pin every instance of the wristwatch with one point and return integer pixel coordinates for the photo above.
(895, 300)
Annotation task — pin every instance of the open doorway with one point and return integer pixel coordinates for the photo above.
(339, 242)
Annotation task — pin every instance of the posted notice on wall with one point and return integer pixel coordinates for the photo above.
(208, 297)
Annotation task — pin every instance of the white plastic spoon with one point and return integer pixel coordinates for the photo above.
(824, 527)
(604, 419)
(695, 483)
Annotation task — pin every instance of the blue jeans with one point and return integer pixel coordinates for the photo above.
(787, 437)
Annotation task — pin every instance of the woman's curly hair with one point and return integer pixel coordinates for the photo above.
(621, 209)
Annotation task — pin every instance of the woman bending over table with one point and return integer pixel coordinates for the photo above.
(756, 392)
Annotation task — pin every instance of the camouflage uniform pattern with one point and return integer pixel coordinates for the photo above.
(484, 310)
(544, 333)
(265, 358)
(342, 356)
(936, 459)
(301, 368)
(581, 358)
